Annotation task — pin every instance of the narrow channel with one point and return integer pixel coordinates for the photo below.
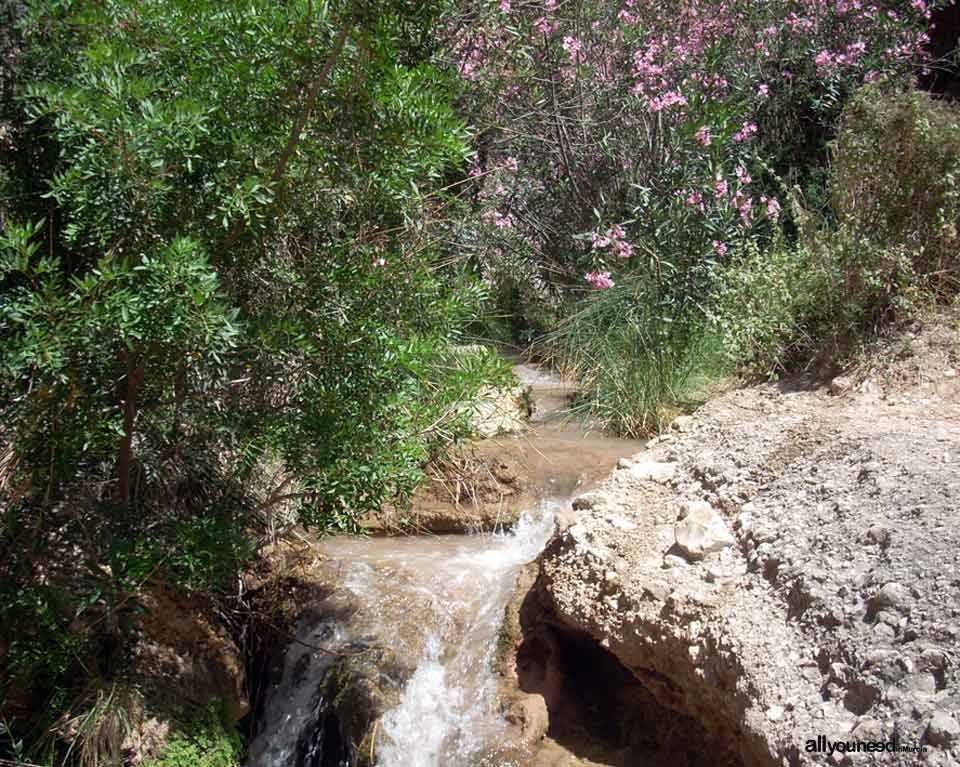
(436, 602)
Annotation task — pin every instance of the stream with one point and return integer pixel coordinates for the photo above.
(438, 603)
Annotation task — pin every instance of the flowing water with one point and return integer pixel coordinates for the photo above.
(438, 603)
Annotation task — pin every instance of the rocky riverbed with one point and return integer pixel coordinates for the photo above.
(781, 569)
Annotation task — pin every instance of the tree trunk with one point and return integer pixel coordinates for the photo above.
(134, 377)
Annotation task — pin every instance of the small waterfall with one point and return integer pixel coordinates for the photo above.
(437, 604)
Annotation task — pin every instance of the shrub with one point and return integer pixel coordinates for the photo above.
(895, 181)
(636, 148)
(239, 259)
(639, 352)
(590, 111)
(760, 307)
(206, 739)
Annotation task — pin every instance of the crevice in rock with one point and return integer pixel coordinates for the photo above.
(602, 712)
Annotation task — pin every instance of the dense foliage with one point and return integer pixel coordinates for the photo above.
(631, 150)
(240, 242)
(220, 296)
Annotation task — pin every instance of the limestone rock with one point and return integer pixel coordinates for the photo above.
(586, 501)
(893, 595)
(671, 560)
(499, 411)
(702, 531)
(943, 729)
(840, 385)
(529, 714)
(658, 471)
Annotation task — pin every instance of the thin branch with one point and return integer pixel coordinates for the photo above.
(296, 133)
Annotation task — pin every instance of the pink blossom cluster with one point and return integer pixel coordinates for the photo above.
(669, 99)
(749, 129)
(615, 239)
(709, 71)
(574, 48)
(599, 280)
(498, 219)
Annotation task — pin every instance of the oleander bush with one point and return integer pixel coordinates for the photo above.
(643, 143)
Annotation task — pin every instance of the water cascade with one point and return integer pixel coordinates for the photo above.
(436, 604)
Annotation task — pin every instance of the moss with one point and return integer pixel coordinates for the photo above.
(205, 738)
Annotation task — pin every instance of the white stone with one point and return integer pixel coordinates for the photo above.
(943, 729)
(840, 385)
(702, 531)
(658, 471)
(620, 523)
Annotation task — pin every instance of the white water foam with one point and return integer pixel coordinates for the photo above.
(438, 603)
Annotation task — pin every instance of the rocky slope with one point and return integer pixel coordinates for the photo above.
(783, 565)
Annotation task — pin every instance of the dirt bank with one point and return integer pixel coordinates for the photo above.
(783, 565)
(530, 447)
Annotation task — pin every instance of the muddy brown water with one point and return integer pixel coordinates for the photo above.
(561, 455)
(437, 603)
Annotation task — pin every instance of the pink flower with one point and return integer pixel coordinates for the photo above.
(573, 46)
(550, 5)
(511, 163)
(720, 189)
(742, 176)
(745, 132)
(703, 136)
(669, 99)
(505, 6)
(773, 207)
(720, 248)
(825, 61)
(600, 241)
(544, 26)
(599, 280)
(616, 232)
(623, 249)
(763, 91)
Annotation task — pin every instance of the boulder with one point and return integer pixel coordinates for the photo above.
(892, 595)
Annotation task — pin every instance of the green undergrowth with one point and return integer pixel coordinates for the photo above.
(206, 739)
(802, 301)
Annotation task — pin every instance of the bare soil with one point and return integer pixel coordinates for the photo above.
(833, 611)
